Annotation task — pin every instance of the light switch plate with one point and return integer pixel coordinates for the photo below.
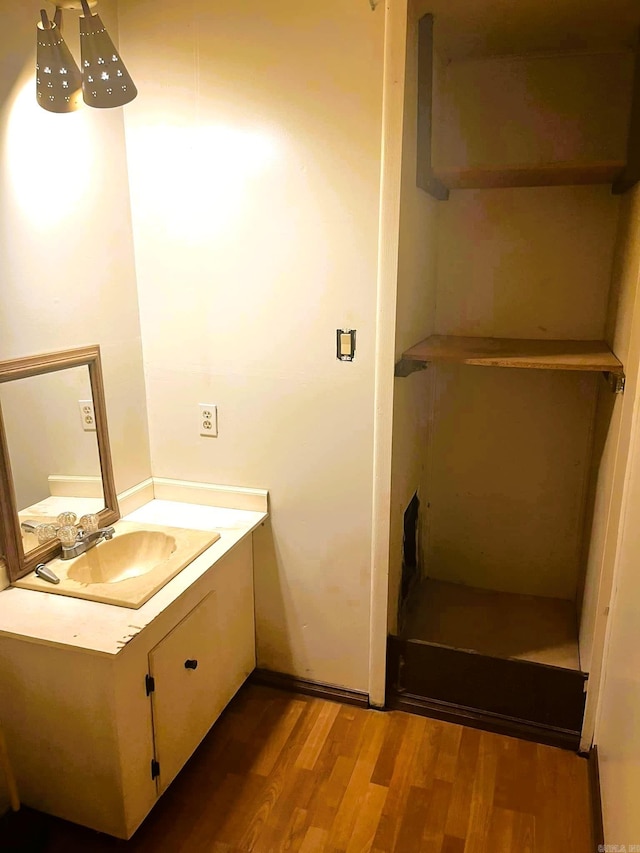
(345, 344)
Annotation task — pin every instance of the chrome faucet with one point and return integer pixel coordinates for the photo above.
(86, 541)
(75, 538)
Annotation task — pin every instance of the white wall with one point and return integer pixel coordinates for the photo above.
(41, 445)
(613, 436)
(609, 618)
(617, 735)
(66, 251)
(415, 317)
(254, 162)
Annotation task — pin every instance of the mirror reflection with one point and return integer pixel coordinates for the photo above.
(53, 450)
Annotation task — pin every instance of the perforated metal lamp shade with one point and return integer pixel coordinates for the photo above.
(105, 80)
(58, 78)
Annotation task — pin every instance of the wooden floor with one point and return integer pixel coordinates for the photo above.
(499, 624)
(288, 772)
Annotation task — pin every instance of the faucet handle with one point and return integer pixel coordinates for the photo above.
(89, 523)
(46, 532)
(68, 535)
(43, 531)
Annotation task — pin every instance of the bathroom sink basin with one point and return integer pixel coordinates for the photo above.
(130, 555)
(128, 569)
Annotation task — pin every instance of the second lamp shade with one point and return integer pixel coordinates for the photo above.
(105, 80)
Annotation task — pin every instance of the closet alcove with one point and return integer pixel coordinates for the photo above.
(531, 160)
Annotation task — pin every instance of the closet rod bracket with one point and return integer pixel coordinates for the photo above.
(616, 381)
(407, 366)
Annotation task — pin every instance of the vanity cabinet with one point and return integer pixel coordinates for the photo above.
(97, 738)
(192, 670)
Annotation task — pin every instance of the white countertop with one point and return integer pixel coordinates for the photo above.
(106, 628)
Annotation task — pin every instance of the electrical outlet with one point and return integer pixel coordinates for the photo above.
(208, 419)
(87, 415)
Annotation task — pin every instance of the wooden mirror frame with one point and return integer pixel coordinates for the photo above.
(19, 563)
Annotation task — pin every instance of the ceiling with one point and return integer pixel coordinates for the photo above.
(491, 27)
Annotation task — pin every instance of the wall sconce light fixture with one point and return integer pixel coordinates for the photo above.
(58, 78)
(103, 78)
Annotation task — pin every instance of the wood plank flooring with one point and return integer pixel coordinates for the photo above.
(282, 772)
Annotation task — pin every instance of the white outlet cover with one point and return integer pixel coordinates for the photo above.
(208, 420)
(87, 415)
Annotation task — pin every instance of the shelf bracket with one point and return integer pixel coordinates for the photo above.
(615, 380)
(407, 366)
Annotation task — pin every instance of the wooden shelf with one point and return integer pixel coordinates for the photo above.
(622, 173)
(543, 175)
(516, 352)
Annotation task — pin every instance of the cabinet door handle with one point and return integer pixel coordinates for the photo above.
(191, 664)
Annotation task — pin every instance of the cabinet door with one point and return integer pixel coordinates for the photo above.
(190, 686)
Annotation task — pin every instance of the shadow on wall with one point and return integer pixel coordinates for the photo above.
(23, 32)
(603, 416)
(272, 603)
(411, 558)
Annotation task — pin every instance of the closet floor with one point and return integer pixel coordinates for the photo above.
(499, 624)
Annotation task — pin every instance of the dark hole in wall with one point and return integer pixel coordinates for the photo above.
(410, 552)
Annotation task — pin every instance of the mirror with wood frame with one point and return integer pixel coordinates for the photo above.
(54, 452)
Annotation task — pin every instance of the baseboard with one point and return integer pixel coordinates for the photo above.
(596, 798)
(280, 680)
(462, 716)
